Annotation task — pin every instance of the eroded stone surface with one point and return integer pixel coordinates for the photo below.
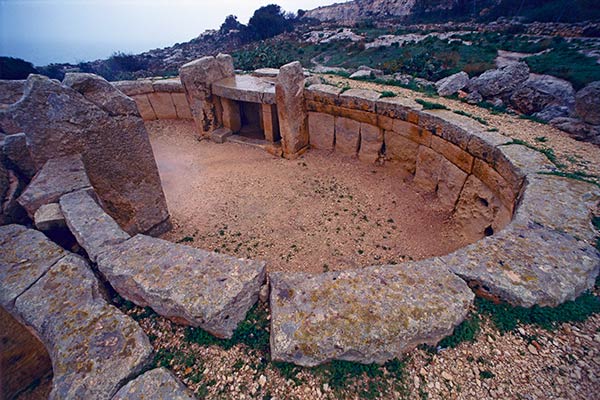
(527, 265)
(321, 127)
(371, 142)
(368, 315)
(25, 256)
(93, 346)
(289, 92)
(49, 217)
(347, 136)
(157, 384)
(16, 151)
(245, 88)
(192, 286)
(91, 226)
(57, 177)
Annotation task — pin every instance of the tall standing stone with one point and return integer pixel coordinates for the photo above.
(289, 92)
(105, 128)
(197, 78)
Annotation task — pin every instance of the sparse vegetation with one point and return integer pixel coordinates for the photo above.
(15, 68)
(429, 105)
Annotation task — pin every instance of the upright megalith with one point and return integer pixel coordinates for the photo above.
(293, 124)
(197, 78)
(94, 119)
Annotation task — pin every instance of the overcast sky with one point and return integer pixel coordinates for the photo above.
(45, 31)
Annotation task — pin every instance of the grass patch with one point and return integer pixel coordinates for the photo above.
(532, 118)
(475, 117)
(186, 239)
(507, 318)
(577, 175)
(548, 152)
(429, 105)
(388, 93)
(465, 332)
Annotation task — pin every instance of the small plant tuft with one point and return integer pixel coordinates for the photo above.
(429, 105)
(388, 93)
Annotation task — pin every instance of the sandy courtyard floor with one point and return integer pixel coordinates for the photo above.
(320, 212)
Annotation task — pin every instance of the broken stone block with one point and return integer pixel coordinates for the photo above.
(427, 169)
(289, 92)
(159, 383)
(93, 228)
(451, 180)
(93, 346)
(220, 135)
(321, 128)
(57, 177)
(366, 315)
(188, 285)
(49, 217)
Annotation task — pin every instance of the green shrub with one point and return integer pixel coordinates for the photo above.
(428, 105)
(15, 68)
(465, 332)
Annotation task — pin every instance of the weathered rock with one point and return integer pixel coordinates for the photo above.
(191, 286)
(527, 265)
(25, 256)
(451, 84)
(132, 88)
(220, 135)
(474, 97)
(368, 315)
(197, 78)
(246, 88)
(362, 74)
(181, 106)
(401, 149)
(11, 187)
(17, 153)
(427, 169)
(587, 103)
(289, 92)
(116, 151)
(347, 136)
(371, 142)
(159, 383)
(541, 91)
(11, 91)
(93, 346)
(321, 128)
(100, 92)
(578, 129)
(496, 82)
(93, 229)
(163, 106)
(171, 85)
(49, 217)
(144, 107)
(451, 180)
(552, 112)
(57, 177)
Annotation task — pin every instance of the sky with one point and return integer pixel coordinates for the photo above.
(55, 31)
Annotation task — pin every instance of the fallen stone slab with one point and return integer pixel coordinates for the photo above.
(93, 228)
(191, 286)
(57, 177)
(158, 383)
(365, 315)
(94, 347)
(25, 256)
(527, 265)
(49, 217)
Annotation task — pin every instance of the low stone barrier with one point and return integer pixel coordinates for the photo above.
(157, 99)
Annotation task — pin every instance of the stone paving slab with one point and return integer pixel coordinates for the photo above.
(93, 229)
(527, 265)
(157, 384)
(188, 285)
(94, 347)
(58, 176)
(245, 88)
(25, 256)
(365, 315)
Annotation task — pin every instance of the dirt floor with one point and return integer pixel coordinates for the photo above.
(320, 212)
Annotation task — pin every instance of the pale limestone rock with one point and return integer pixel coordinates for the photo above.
(100, 92)
(18, 155)
(451, 84)
(401, 150)
(347, 136)
(321, 128)
(49, 217)
(181, 106)
(159, 383)
(144, 107)
(371, 142)
(289, 92)
(163, 106)
(427, 169)
(451, 180)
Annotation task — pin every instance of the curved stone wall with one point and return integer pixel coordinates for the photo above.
(157, 99)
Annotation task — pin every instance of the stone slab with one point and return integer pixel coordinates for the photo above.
(371, 142)
(170, 85)
(93, 346)
(181, 106)
(159, 383)
(321, 128)
(347, 136)
(220, 135)
(49, 217)
(133, 88)
(92, 227)
(365, 315)
(191, 286)
(144, 107)
(57, 177)
(245, 88)
(401, 150)
(25, 256)
(163, 106)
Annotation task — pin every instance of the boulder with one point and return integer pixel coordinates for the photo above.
(552, 112)
(452, 84)
(57, 177)
(49, 217)
(289, 92)
(587, 103)
(578, 129)
(497, 82)
(18, 155)
(191, 286)
(115, 149)
(362, 74)
(25, 256)
(366, 315)
(11, 91)
(94, 347)
(539, 92)
(100, 92)
(474, 97)
(93, 229)
(159, 383)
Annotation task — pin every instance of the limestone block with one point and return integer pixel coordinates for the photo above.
(289, 92)
(134, 88)
(368, 315)
(246, 88)
(323, 94)
(451, 180)
(170, 85)
(163, 106)
(427, 169)
(270, 123)
(371, 142)
(49, 217)
(144, 107)
(159, 383)
(412, 132)
(17, 153)
(189, 285)
(401, 150)
(321, 128)
(181, 106)
(453, 153)
(495, 182)
(347, 136)
(359, 99)
(220, 135)
(231, 114)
